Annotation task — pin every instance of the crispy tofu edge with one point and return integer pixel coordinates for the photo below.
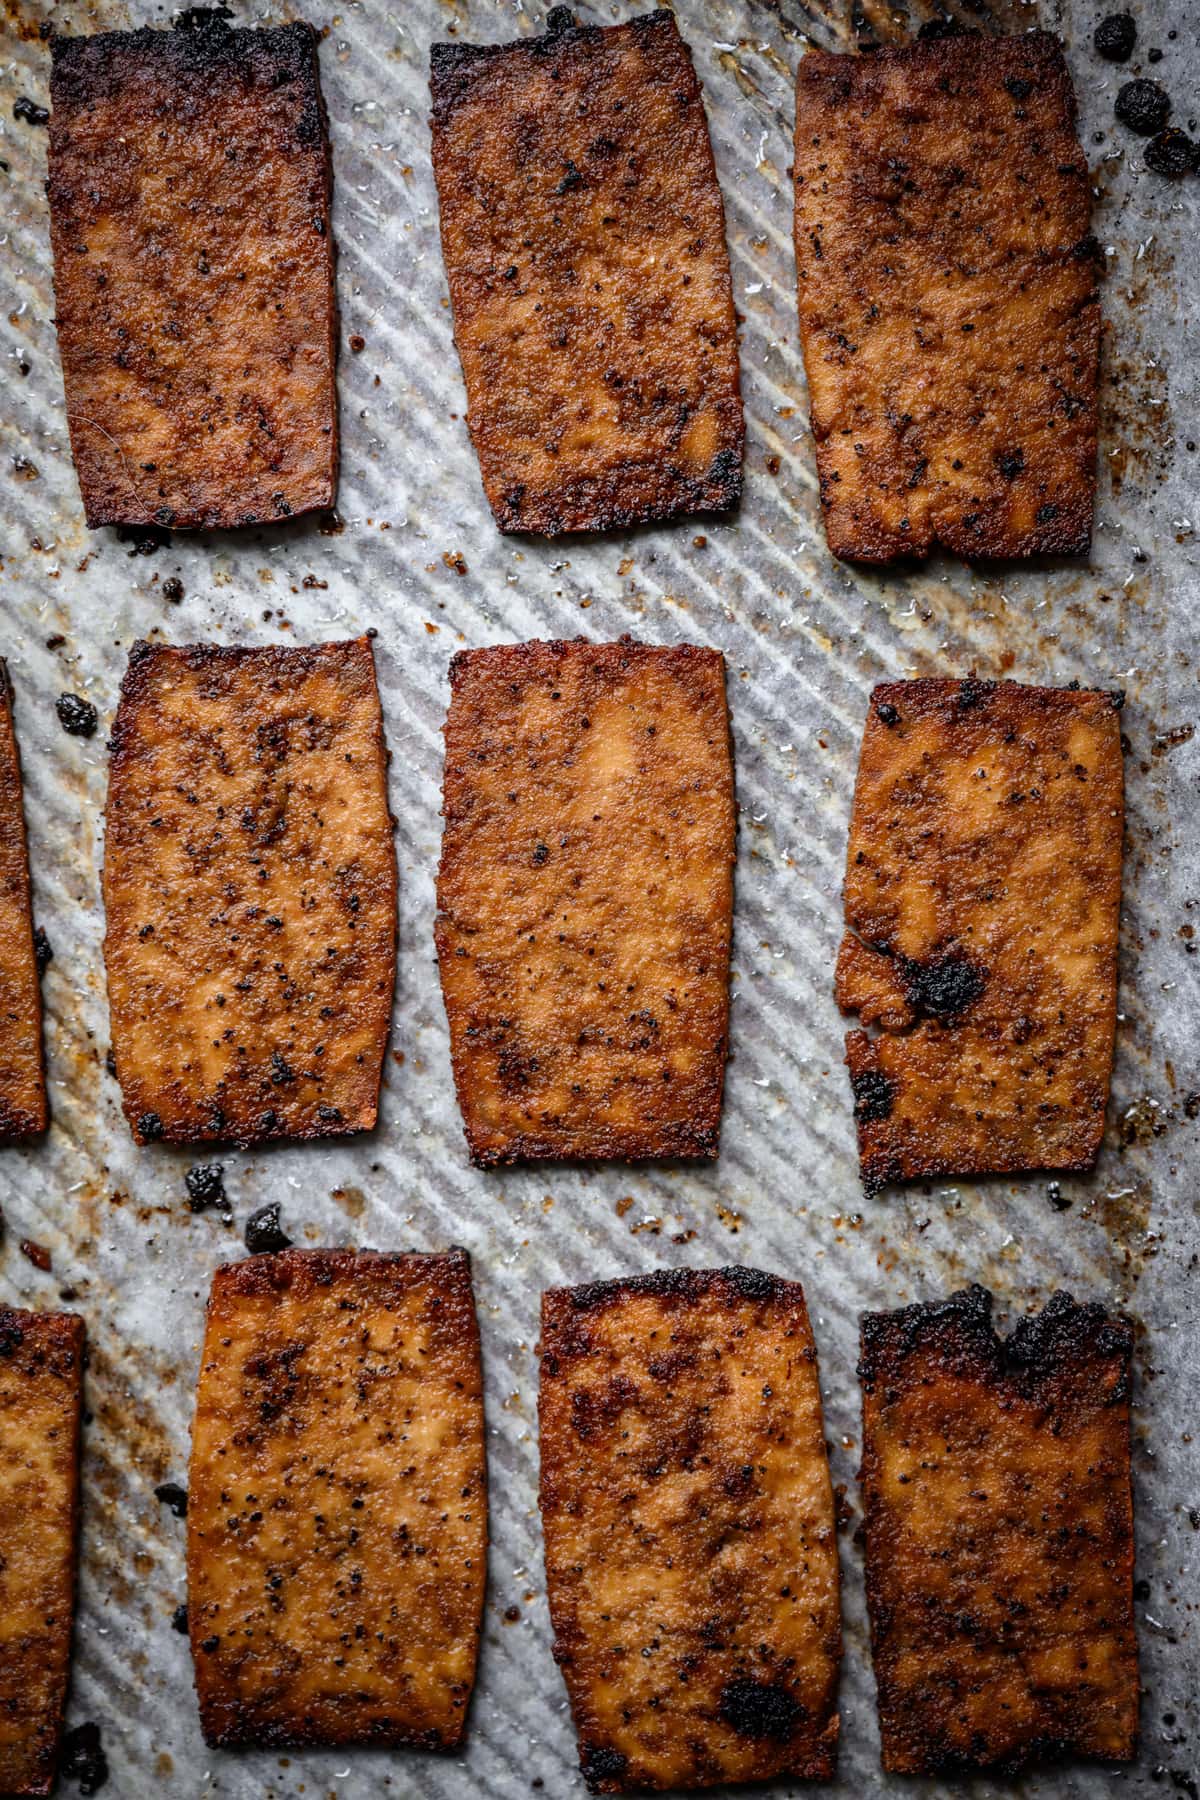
(15, 1122)
(255, 1276)
(1048, 1354)
(1069, 533)
(699, 1141)
(453, 66)
(99, 59)
(64, 1334)
(560, 1307)
(136, 688)
(947, 694)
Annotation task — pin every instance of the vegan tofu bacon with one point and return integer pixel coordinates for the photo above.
(999, 1535)
(337, 1510)
(585, 899)
(982, 900)
(584, 241)
(691, 1548)
(250, 892)
(41, 1390)
(23, 1107)
(949, 311)
(193, 272)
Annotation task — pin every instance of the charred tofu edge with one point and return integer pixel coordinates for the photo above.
(19, 1122)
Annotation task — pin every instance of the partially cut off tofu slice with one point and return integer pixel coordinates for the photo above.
(337, 1505)
(23, 1105)
(41, 1402)
(998, 1517)
(691, 1545)
(585, 899)
(982, 901)
(250, 892)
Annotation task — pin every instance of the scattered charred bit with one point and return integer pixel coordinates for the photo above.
(179, 1620)
(35, 1253)
(1173, 153)
(83, 1759)
(42, 949)
(759, 1709)
(940, 28)
(886, 713)
(1115, 37)
(145, 539)
(264, 1233)
(174, 1496)
(172, 590)
(30, 111)
(943, 987)
(599, 1762)
(213, 19)
(150, 1127)
(1143, 106)
(77, 716)
(973, 693)
(205, 1184)
(874, 1095)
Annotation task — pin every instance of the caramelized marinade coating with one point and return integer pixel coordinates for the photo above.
(584, 241)
(23, 1106)
(193, 273)
(585, 899)
(983, 890)
(691, 1546)
(41, 1395)
(949, 311)
(999, 1534)
(250, 892)
(337, 1503)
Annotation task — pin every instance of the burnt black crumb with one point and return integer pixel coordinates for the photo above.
(598, 1761)
(886, 713)
(30, 111)
(972, 693)
(172, 589)
(1115, 37)
(1173, 153)
(1191, 1106)
(83, 1759)
(1117, 696)
(940, 28)
(1144, 106)
(179, 1620)
(559, 18)
(874, 1096)
(205, 1186)
(145, 539)
(1058, 1200)
(264, 1234)
(1010, 463)
(945, 986)
(203, 18)
(174, 1496)
(77, 716)
(110, 1064)
(759, 1709)
(43, 950)
(150, 1127)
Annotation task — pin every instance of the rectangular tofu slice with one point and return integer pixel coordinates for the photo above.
(250, 892)
(999, 1535)
(983, 892)
(691, 1546)
(193, 273)
(585, 899)
(41, 1400)
(337, 1502)
(949, 311)
(584, 242)
(23, 1107)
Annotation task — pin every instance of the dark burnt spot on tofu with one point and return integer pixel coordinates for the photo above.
(943, 987)
(760, 1709)
(874, 1095)
(600, 1762)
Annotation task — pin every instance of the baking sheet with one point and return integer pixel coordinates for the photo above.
(419, 558)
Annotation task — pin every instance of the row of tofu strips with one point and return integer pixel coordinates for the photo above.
(337, 1522)
(947, 282)
(584, 907)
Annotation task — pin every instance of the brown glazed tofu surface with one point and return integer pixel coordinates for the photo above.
(193, 273)
(585, 899)
(250, 892)
(949, 311)
(691, 1548)
(584, 242)
(337, 1504)
(41, 1389)
(999, 1535)
(23, 1106)
(982, 900)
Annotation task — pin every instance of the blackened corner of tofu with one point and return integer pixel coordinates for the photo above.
(960, 1324)
(604, 1769)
